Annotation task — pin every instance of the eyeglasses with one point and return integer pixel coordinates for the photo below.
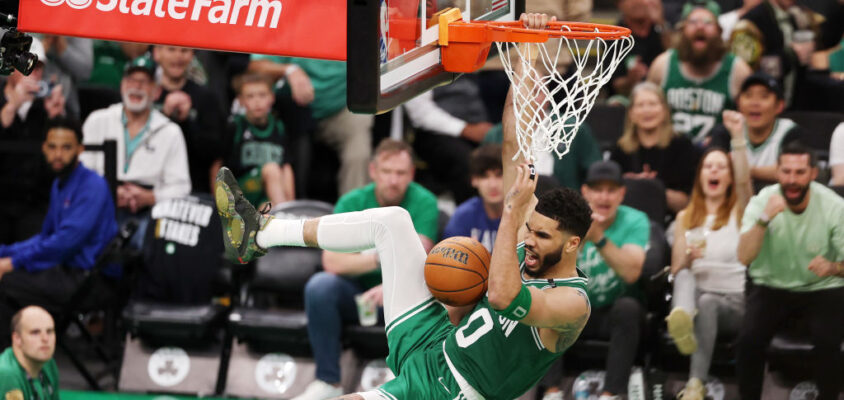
(704, 22)
(138, 81)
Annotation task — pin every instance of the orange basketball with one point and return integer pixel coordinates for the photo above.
(456, 271)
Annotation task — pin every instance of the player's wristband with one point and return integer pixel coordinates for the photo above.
(519, 307)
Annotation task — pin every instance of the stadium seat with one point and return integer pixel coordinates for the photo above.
(818, 127)
(607, 124)
(648, 196)
(838, 189)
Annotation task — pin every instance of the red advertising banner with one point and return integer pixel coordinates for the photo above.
(301, 28)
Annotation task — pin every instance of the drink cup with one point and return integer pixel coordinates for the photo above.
(367, 312)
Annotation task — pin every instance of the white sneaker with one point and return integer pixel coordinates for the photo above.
(319, 390)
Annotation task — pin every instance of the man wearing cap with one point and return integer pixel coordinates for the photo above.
(612, 257)
(760, 102)
(152, 161)
(699, 76)
(27, 368)
(24, 110)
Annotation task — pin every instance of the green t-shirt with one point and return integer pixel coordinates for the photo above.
(327, 77)
(15, 384)
(570, 171)
(631, 226)
(793, 240)
(418, 201)
(109, 61)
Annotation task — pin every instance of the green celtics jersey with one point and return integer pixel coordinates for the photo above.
(15, 384)
(696, 104)
(498, 357)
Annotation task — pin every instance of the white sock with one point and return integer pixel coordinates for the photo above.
(282, 232)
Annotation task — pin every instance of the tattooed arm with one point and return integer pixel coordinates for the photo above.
(560, 313)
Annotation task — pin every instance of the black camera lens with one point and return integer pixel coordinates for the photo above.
(23, 62)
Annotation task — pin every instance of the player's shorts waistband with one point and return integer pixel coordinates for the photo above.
(467, 392)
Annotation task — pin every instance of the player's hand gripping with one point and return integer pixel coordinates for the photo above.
(536, 20)
(519, 197)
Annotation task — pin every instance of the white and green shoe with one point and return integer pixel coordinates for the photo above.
(240, 220)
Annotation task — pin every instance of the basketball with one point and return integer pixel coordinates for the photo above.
(456, 271)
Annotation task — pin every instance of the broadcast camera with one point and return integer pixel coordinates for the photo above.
(14, 48)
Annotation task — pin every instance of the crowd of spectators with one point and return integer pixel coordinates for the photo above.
(705, 100)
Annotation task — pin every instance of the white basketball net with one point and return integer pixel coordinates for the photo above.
(549, 107)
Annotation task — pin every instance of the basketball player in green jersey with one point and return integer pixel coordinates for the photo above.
(700, 77)
(534, 310)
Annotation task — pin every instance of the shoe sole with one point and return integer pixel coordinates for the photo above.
(232, 223)
(681, 329)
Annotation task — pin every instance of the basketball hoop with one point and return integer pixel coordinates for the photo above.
(548, 105)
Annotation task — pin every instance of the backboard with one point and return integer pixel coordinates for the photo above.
(391, 47)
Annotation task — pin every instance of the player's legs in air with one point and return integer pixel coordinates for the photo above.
(410, 312)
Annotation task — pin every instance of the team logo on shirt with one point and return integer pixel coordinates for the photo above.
(15, 394)
(275, 373)
(168, 366)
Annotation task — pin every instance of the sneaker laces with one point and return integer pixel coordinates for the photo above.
(266, 209)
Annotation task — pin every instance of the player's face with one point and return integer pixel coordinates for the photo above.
(715, 176)
(794, 175)
(647, 111)
(138, 90)
(489, 186)
(392, 173)
(36, 336)
(544, 244)
(759, 106)
(61, 149)
(258, 100)
(174, 61)
(604, 197)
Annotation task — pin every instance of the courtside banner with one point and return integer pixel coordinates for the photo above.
(301, 28)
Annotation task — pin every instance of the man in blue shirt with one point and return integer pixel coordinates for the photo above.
(46, 269)
(479, 216)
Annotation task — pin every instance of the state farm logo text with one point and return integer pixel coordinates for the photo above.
(232, 12)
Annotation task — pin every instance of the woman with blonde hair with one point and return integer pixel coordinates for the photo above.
(649, 149)
(708, 277)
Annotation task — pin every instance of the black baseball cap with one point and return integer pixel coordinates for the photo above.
(604, 171)
(761, 78)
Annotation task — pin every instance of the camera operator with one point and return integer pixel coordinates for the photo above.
(27, 104)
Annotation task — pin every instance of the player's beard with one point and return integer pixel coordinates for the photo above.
(804, 189)
(713, 52)
(548, 261)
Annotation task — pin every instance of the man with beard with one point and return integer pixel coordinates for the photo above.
(699, 77)
(47, 268)
(612, 257)
(195, 108)
(534, 310)
(152, 162)
(793, 244)
(27, 367)
(330, 295)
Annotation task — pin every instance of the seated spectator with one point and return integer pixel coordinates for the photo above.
(792, 242)
(449, 122)
(836, 156)
(612, 257)
(650, 32)
(330, 295)
(479, 216)
(761, 102)
(195, 108)
(699, 77)
(110, 59)
(24, 111)
(47, 268)
(321, 84)
(649, 148)
(259, 149)
(27, 367)
(708, 278)
(152, 163)
(71, 61)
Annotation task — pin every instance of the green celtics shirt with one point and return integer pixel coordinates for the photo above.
(15, 384)
(631, 226)
(418, 201)
(793, 240)
(696, 104)
(327, 77)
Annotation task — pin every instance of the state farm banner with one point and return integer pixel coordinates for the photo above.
(301, 28)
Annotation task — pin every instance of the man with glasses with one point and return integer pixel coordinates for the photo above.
(27, 368)
(699, 76)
